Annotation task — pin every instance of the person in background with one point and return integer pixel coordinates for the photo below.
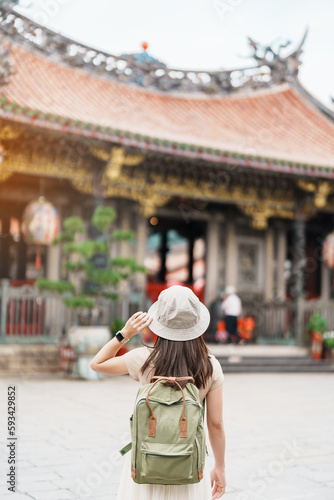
(232, 307)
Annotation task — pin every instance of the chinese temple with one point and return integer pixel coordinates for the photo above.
(226, 177)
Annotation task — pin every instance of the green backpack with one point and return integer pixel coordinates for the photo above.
(168, 436)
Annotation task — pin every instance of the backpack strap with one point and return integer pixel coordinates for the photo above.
(126, 448)
(153, 420)
(173, 378)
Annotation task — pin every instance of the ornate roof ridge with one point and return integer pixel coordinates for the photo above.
(149, 74)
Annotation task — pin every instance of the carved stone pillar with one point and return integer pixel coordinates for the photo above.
(211, 264)
(141, 228)
(53, 257)
(5, 248)
(269, 265)
(298, 277)
(281, 257)
(163, 254)
(325, 282)
(191, 242)
(299, 258)
(231, 271)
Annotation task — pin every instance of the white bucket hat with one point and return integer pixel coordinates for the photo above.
(178, 314)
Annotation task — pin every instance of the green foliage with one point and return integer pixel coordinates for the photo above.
(54, 286)
(317, 323)
(86, 248)
(121, 235)
(78, 266)
(79, 302)
(328, 339)
(96, 275)
(72, 225)
(110, 295)
(329, 343)
(105, 276)
(127, 262)
(103, 218)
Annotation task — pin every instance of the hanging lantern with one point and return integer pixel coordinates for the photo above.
(328, 250)
(40, 225)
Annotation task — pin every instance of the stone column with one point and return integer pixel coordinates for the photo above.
(299, 258)
(231, 271)
(298, 276)
(53, 254)
(125, 226)
(212, 256)
(141, 229)
(281, 257)
(21, 259)
(269, 265)
(163, 255)
(325, 281)
(53, 262)
(5, 248)
(191, 242)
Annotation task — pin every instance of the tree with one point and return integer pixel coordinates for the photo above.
(96, 276)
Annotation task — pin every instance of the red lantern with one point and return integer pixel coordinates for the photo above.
(40, 225)
(328, 250)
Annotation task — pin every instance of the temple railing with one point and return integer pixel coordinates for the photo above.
(29, 315)
(277, 321)
(26, 315)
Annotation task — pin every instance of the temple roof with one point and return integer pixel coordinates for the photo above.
(276, 128)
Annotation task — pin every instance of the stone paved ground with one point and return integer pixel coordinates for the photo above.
(280, 440)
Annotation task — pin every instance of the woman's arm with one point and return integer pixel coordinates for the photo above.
(214, 400)
(104, 361)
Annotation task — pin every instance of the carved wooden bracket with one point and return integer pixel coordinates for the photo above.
(321, 191)
(260, 212)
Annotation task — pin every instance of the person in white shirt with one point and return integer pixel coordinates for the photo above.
(232, 307)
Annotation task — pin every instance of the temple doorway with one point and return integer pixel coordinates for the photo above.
(175, 254)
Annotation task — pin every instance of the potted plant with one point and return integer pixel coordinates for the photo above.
(316, 327)
(328, 345)
(94, 280)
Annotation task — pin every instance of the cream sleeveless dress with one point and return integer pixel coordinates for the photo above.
(128, 489)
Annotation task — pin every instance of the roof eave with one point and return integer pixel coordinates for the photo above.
(26, 116)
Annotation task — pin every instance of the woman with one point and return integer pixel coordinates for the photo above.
(179, 320)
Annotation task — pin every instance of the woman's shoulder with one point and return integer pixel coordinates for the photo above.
(138, 353)
(217, 373)
(134, 359)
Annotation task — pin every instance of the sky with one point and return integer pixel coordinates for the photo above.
(200, 34)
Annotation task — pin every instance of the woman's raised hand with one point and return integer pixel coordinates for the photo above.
(136, 324)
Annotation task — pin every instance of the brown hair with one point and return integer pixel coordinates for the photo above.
(180, 358)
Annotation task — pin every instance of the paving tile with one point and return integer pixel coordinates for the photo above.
(53, 495)
(17, 496)
(32, 486)
(272, 452)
